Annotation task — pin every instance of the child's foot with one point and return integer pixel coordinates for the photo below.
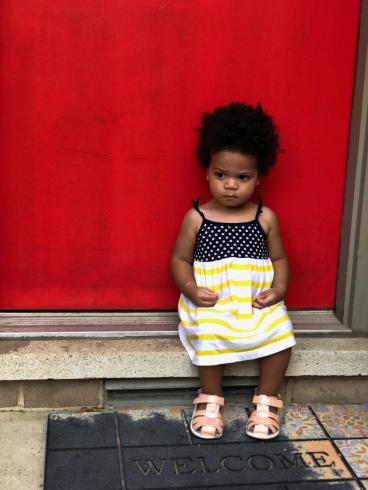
(264, 420)
(207, 420)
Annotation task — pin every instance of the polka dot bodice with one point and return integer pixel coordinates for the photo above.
(217, 241)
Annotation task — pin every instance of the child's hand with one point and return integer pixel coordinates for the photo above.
(268, 298)
(204, 297)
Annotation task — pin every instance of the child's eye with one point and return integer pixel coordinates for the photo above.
(243, 178)
(219, 174)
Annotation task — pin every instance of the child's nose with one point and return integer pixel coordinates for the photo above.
(231, 183)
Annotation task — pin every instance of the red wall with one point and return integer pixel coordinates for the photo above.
(99, 104)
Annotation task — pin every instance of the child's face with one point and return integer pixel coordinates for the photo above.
(232, 177)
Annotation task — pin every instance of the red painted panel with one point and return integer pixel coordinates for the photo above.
(99, 104)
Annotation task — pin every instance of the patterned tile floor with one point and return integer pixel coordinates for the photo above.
(343, 420)
(319, 447)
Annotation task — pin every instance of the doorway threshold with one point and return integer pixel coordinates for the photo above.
(65, 325)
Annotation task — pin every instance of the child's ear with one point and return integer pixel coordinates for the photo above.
(207, 174)
(259, 178)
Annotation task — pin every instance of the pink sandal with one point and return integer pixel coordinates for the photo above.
(208, 423)
(264, 424)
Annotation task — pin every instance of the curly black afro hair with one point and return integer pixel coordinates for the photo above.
(239, 127)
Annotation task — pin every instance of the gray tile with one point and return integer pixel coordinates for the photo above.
(82, 469)
(152, 428)
(84, 430)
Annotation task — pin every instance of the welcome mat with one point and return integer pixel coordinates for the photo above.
(142, 449)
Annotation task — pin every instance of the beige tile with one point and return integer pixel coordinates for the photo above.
(22, 450)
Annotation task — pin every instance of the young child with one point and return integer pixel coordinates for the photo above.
(230, 265)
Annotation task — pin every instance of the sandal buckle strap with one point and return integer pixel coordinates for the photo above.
(202, 398)
(271, 401)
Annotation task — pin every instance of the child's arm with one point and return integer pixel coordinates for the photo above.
(279, 261)
(182, 266)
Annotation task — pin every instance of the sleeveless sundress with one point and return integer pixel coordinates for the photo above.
(233, 260)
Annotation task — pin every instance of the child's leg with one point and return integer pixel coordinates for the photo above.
(211, 384)
(272, 370)
(211, 379)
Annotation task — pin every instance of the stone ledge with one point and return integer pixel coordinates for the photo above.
(164, 358)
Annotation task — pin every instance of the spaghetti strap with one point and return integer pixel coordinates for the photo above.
(259, 208)
(195, 203)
